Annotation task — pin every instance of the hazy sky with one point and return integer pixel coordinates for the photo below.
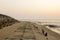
(31, 9)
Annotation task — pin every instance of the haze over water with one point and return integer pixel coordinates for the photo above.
(31, 9)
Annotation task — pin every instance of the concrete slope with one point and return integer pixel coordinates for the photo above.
(27, 31)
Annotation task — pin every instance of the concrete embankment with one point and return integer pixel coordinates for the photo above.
(28, 31)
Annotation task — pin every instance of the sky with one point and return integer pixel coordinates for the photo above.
(31, 9)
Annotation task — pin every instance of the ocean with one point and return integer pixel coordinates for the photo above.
(44, 21)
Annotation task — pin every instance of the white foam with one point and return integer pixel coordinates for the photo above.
(57, 30)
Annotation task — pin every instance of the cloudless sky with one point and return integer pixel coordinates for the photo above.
(31, 9)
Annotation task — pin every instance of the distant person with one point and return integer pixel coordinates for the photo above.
(43, 31)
